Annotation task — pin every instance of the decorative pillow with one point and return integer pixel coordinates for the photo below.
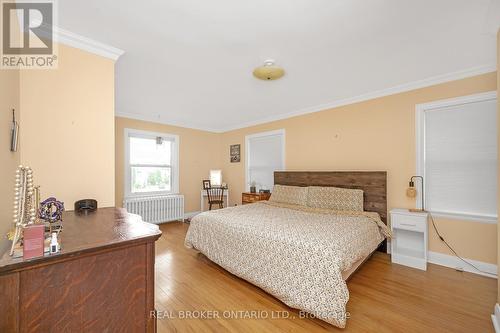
(335, 198)
(294, 195)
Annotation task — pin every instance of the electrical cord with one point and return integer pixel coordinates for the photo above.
(455, 252)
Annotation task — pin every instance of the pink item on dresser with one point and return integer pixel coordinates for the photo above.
(33, 241)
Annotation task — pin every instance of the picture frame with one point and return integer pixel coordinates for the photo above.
(235, 153)
(206, 184)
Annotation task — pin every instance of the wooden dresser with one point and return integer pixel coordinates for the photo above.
(101, 281)
(247, 197)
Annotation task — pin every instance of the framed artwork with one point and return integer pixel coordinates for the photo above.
(234, 152)
(206, 184)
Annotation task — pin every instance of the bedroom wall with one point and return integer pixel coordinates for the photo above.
(9, 99)
(378, 134)
(498, 128)
(199, 152)
(67, 128)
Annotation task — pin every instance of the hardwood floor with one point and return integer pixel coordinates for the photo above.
(383, 297)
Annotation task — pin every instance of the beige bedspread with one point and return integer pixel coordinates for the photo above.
(295, 253)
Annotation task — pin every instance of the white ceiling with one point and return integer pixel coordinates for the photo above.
(190, 62)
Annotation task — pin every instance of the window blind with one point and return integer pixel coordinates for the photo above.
(265, 155)
(460, 159)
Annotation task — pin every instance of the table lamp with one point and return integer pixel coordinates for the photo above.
(412, 192)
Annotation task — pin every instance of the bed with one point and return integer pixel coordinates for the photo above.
(300, 254)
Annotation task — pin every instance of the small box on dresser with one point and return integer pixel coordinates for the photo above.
(409, 242)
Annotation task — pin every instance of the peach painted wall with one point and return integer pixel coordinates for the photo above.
(67, 128)
(378, 134)
(9, 99)
(498, 127)
(199, 152)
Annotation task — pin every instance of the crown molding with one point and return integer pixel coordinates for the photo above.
(371, 95)
(158, 120)
(338, 103)
(69, 38)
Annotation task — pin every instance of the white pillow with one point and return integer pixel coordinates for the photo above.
(335, 198)
(294, 195)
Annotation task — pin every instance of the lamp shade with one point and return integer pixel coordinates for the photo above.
(411, 192)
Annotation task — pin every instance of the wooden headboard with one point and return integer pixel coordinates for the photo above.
(373, 184)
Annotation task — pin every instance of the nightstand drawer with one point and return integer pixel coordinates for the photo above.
(411, 223)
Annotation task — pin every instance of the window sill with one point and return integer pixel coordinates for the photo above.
(465, 217)
(148, 194)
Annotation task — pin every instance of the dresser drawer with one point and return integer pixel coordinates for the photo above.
(411, 223)
(247, 198)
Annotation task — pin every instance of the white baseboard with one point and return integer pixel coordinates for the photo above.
(189, 215)
(495, 318)
(455, 263)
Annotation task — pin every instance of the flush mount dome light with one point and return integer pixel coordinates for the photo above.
(268, 71)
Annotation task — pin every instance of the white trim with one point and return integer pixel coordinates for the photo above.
(466, 217)
(158, 120)
(455, 263)
(372, 95)
(420, 110)
(66, 37)
(260, 135)
(174, 166)
(480, 97)
(83, 43)
(418, 84)
(495, 318)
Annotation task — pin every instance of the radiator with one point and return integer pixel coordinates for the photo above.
(157, 209)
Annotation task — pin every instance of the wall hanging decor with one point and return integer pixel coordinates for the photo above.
(14, 132)
(234, 151)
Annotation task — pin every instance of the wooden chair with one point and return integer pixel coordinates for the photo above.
(215, 197)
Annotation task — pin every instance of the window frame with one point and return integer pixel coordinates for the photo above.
(247, 151)
(420, 111)
(128, 132)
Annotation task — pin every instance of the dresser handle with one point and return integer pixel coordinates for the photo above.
(409, 225)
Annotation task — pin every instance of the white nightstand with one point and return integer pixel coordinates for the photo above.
(409, 242)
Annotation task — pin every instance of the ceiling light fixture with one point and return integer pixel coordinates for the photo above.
(268, 71)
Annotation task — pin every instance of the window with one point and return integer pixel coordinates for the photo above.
(457, 155)
(151, 163)
(265, 153)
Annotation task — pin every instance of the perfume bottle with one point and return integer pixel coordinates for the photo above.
(54, 245)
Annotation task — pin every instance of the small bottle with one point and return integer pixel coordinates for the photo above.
(54, 245)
